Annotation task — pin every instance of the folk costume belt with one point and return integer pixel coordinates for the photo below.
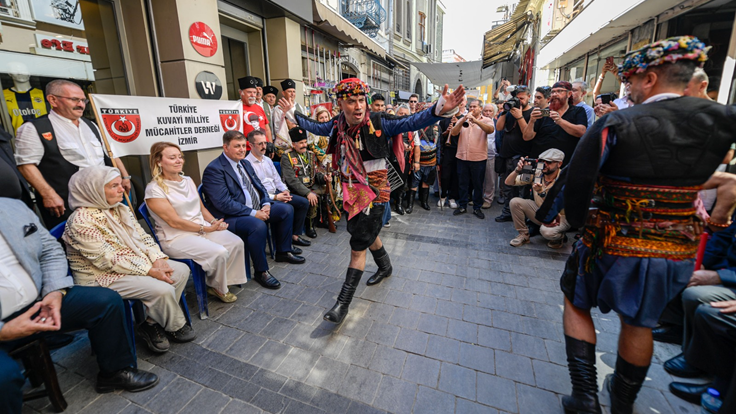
(634, 220)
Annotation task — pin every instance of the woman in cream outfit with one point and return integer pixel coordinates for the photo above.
(186, 229)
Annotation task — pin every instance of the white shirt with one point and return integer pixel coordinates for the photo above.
(622, 103)
(77, 144)
(184, 197)
(266, 172)
(661, 97)
(17, 289)
(248, 200)
(491, 145)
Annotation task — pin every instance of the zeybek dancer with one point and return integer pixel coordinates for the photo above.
(359, 142)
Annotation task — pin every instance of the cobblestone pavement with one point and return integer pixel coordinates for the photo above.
(466, 324)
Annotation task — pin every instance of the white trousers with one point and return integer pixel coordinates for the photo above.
(161, 299)
(220, 253)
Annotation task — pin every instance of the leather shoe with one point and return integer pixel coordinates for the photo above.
(129, 379)
(671, 334)
(689, 392)
(296, 250)
(289, 257)
(300, 242)
(479, 214)
(459, 211)
(267, 281)
(503, 218)
(678, 367)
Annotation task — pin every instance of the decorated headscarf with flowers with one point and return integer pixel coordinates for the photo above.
(669, 50)
(351, 87)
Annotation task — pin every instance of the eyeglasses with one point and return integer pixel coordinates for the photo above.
(559, 91)
(548, 162)
(412, 101)
(74, 100)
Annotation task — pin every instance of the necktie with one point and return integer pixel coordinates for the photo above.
(248, 186)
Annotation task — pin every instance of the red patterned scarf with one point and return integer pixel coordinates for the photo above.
(348, 159)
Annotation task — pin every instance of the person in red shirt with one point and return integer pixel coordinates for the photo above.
(253, 115)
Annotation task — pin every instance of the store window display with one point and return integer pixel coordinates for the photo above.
(24, 101)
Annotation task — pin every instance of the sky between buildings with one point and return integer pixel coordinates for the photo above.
(466, 22)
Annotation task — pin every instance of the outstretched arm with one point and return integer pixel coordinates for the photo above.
(321, 129)
(445, 107)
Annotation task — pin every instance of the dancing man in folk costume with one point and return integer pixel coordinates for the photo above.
(642, 167)
(359, 147)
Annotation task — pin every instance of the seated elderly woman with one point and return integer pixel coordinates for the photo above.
(107, 247)
(186, 229)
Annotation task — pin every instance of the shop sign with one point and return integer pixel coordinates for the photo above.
(208, 85)
(133, 123)
(69, 49)
(66, 13)
(203, 39)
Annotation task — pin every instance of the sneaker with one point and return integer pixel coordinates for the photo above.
(453, 204)
(440, 202)
(502, 218)
(459, 211)
(387, 225)
(184, 334)
(154, 336)
(478, 213)
(470, 203)
(501, 201)
(487, 204)
(556, 244)
(520, 240)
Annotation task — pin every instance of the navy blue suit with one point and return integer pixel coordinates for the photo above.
(221, 185)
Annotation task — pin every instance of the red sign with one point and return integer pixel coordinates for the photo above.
(203, 39)
(123, 125)
(64, 45)
(229, 119)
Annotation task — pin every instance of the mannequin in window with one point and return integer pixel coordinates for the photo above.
(24, 101)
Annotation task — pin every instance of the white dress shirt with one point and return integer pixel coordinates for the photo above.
(17, 289)
(267, 173)
(248, 200)
(77, 144)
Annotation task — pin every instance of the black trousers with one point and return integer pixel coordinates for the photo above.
(448, 178)
(507, 191)
(471, 172)
(98, 310)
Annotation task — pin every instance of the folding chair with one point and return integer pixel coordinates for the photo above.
(198, 274)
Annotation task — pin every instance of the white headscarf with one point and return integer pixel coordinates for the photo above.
(87, 189)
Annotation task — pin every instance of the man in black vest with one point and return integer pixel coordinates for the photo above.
(359, 147)
(50, 149)
(643, 167)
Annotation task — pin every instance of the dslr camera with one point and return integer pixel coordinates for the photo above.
(512, 103)
(606, 98)
(530, 170)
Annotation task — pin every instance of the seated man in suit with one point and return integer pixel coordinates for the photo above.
(233, 191)
(37, 295)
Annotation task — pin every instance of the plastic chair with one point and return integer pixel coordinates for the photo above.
(198, 274)
(277, 165)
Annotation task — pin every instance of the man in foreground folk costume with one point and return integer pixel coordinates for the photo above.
(642, 167)
(359, 142)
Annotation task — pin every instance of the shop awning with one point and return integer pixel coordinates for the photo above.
(469, 74)
(499, 43)
(597, 24)
(333, 23)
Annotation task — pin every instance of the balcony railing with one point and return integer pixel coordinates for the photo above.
(366, 15)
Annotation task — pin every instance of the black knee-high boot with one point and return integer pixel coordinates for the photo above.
(384, 266)
(340, 310)
(581, 363)
(624, 385)
(410, 201)
(398, 205)
(423, 198)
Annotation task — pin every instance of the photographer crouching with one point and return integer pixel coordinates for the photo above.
(542, 174)
(512, 121)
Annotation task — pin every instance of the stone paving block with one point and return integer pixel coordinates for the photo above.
(543, 329)
(108, 404)
(296, 407)
(328, 374)
(535, 401)
(298, 364)
(395, 395)
(360, 408)
(457, 380)
(379, 311)
(520, 308)
(270, 401)
(327, 343)
(423, 304)
(388, 361)
(236, 317)
(443, 349)
(497, 392)
(494, 338)
(433, 324)
(330, 401)
(468, 297)
(477, 357)
(278, 328)
(307, 314)
(298, 390)
(300, 336)
(477, 315)
(502, 289)
(257, 321)
(515, 367)
(360, 384)
(433, 401)
(165, 377)
(530, 346)
(310, 295)
(421, 370)
(245, 347)
(507, 321)
(412, 341)
(438, 292)
(457, 282)
(222, 339)
(269, 380)
(449, 309)
(463, 406)
(405, 318)
(240, 407)
(356, 327)
(463, 331)
(357, 352)
(556, 352)
(206, 401)
(264, 302)
(270, 355)
(383, 334)
(242, 390)
(174, 397)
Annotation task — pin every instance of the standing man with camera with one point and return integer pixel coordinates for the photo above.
(513, 121)
(559, 127)
(472, 154)
(528, 172)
